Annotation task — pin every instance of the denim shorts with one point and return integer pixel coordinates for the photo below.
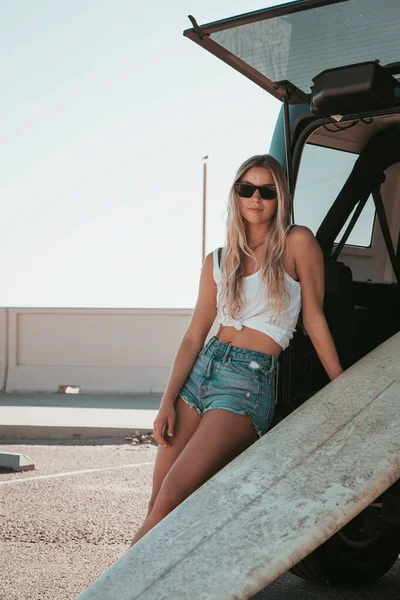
(235, 379)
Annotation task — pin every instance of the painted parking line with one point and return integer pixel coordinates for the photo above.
(70, 473)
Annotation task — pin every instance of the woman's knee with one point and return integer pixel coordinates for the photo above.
(165, 502)
(164, 499)
(150, 507)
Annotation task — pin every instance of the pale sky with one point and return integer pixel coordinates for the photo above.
(106, 113)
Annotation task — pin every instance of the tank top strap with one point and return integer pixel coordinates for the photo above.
(217, 268)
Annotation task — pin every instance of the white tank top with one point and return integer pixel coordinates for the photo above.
(256, 312)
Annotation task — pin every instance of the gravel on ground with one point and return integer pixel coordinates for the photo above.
(59, 533)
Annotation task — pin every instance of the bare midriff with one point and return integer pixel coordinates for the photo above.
(248, 338)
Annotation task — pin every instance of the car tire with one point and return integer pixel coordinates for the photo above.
(353, 556)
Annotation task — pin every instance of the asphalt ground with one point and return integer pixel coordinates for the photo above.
(64, 523)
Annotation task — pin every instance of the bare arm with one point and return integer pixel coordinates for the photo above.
(202, 319)
(310, 270)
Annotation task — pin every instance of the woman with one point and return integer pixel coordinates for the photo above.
(220, 398)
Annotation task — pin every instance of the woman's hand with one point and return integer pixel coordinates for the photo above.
(164, 424)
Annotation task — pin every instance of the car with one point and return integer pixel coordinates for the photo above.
(334, 66)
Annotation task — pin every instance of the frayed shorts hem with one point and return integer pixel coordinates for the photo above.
(191, 404)
(232, 410)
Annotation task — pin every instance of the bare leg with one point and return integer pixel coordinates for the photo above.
(187, 421)
(220, 437)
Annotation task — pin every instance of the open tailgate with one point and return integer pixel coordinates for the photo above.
(282, 48)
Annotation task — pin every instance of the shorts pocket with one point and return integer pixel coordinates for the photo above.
(245, 368)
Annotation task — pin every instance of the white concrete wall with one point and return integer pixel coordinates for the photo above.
(3, 346)
(100, 350)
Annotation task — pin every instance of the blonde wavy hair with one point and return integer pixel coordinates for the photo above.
(236, 247)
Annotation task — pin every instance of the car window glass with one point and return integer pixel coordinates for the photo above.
(297, 46)
(322, 174)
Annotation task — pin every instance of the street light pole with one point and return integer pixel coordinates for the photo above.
(203, 251)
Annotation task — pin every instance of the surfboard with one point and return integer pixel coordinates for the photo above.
(279, 500)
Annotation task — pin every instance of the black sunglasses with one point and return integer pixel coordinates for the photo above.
(246, 190)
